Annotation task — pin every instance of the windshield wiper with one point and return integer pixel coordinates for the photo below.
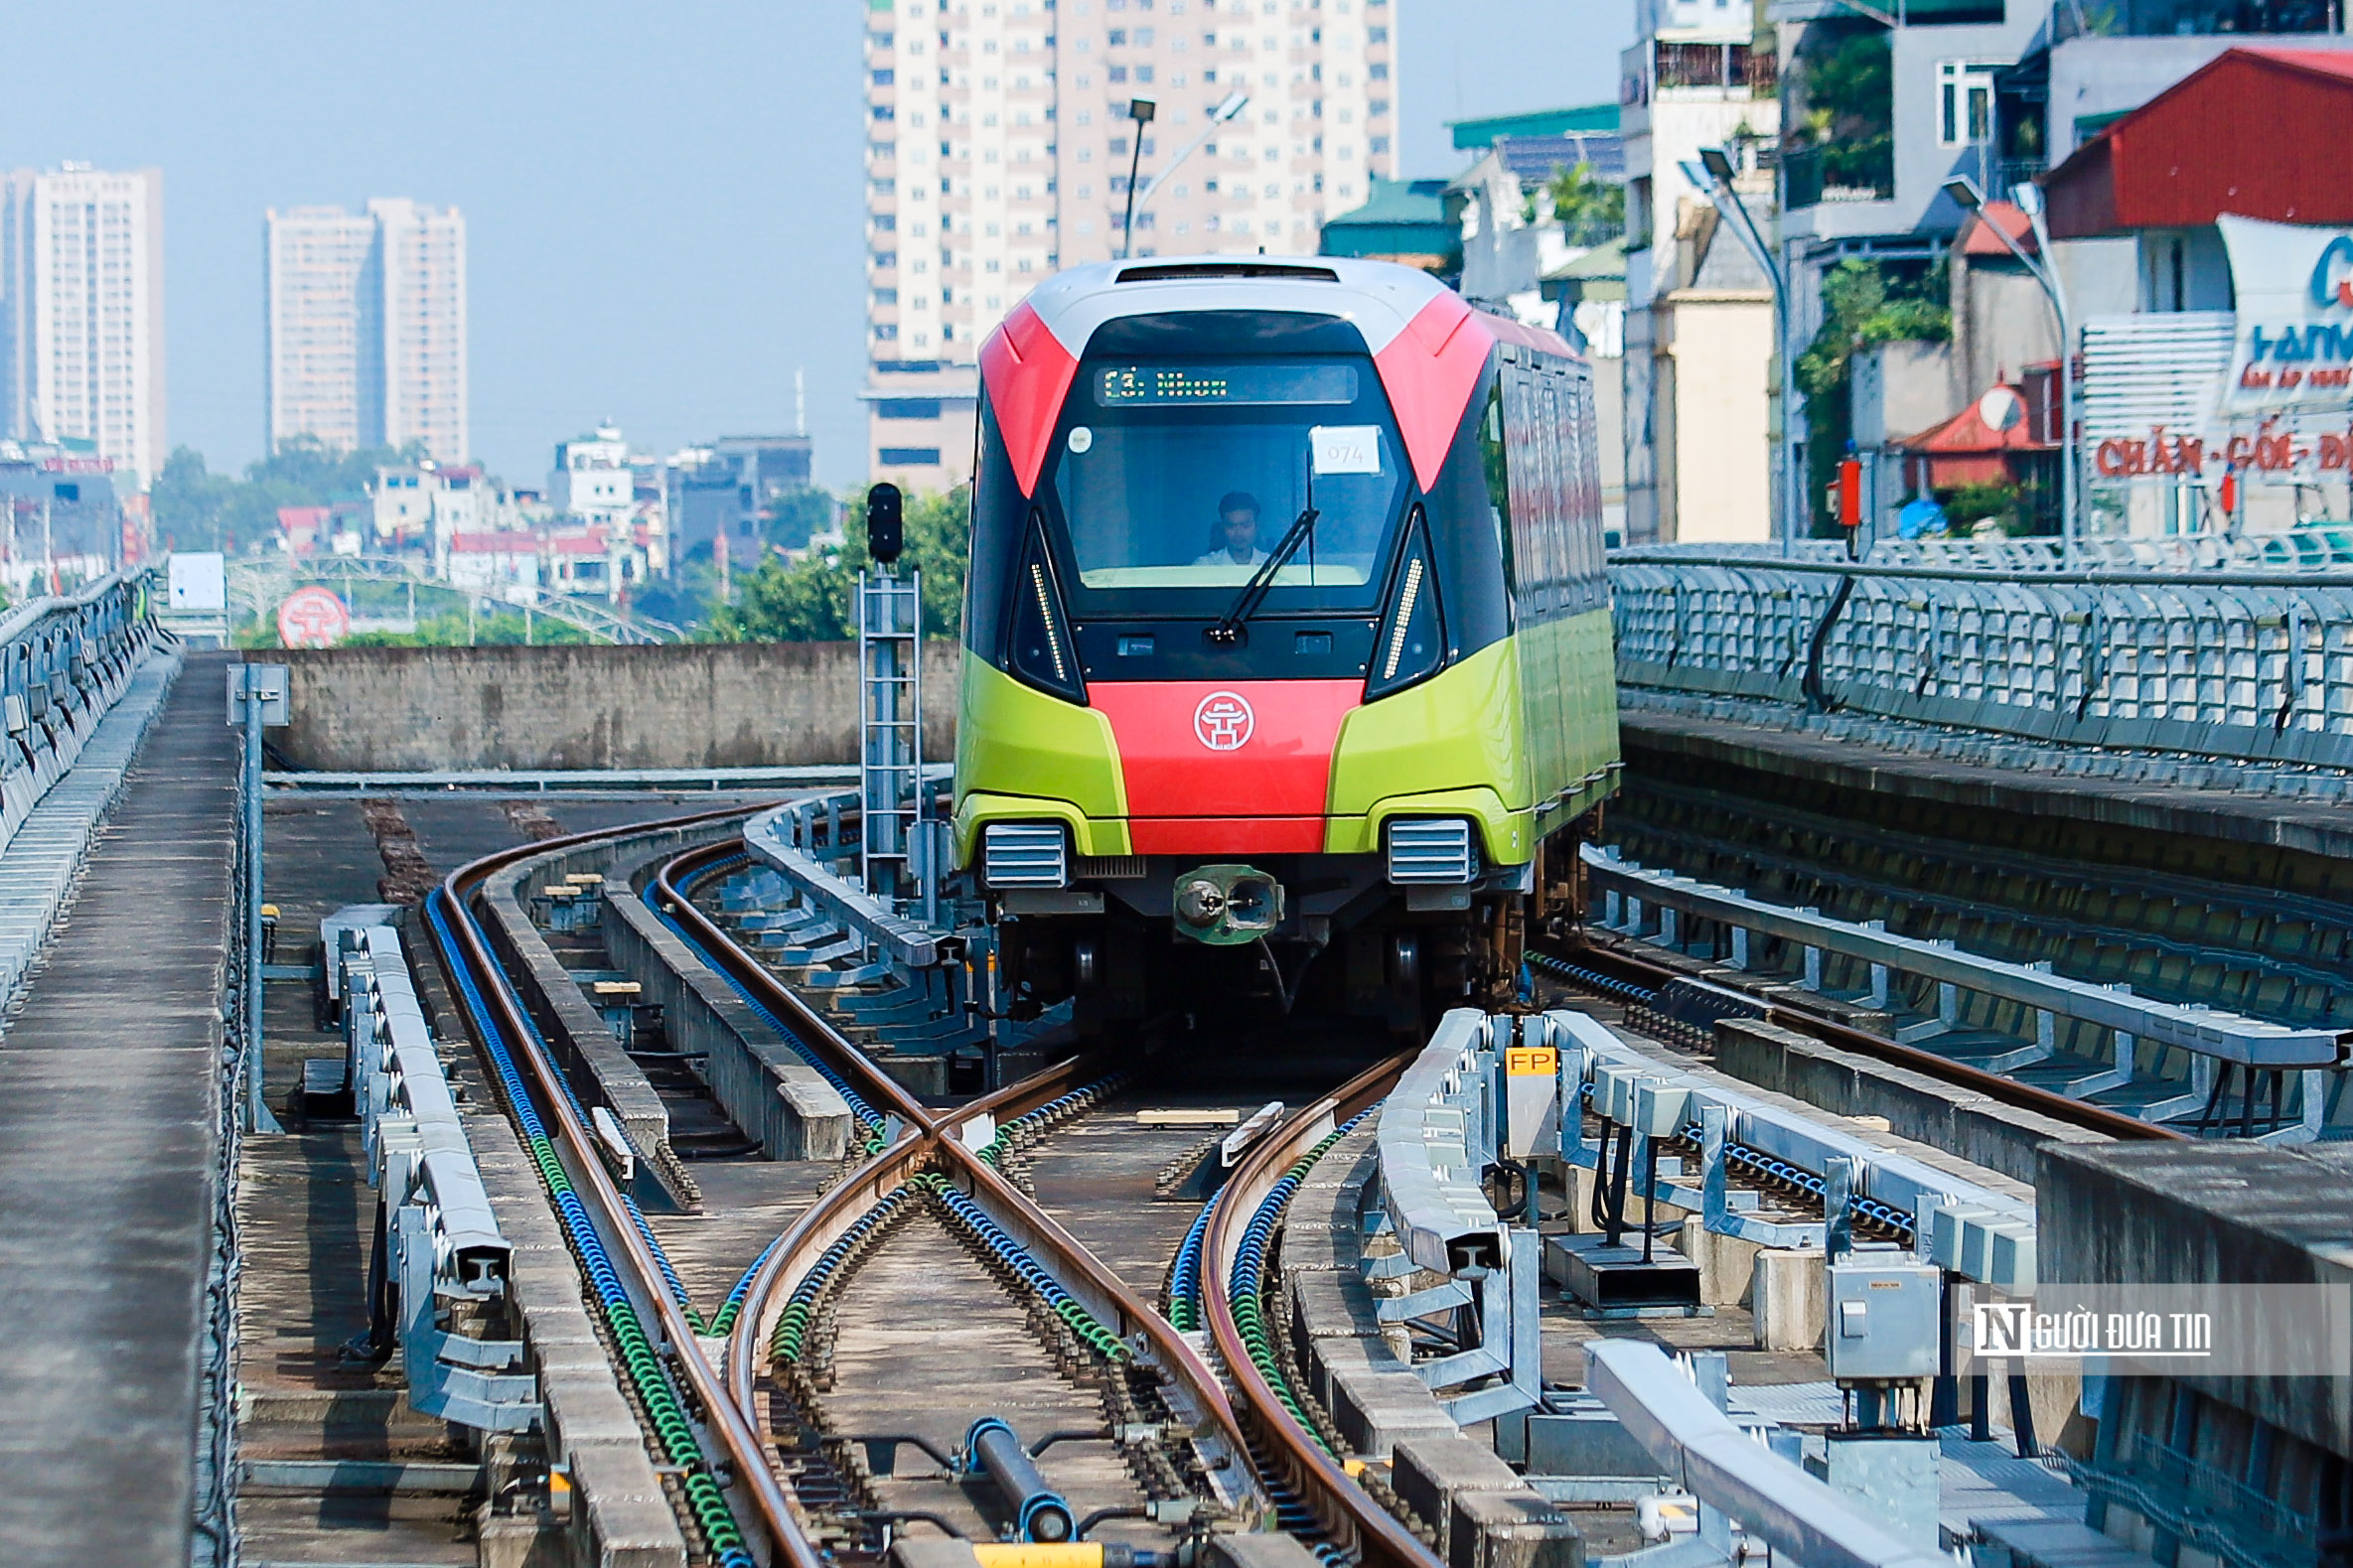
(1228, 629)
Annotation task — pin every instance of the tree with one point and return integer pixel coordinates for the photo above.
(1862, 304)
(197, 509)
(1848, 92)
(1591, 211)
(810, 600)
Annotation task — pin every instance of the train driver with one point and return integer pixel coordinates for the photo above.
(1235, 540)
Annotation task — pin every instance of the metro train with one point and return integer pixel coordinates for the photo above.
(1287, 673)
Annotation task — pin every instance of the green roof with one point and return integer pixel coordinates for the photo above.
(1539, 122)
(1603, 261)
(1399, 202)
(1403, 217)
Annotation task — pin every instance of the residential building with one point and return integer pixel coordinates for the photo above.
(1511, 234)
(503, 564)
(1879, 117)
(1000, 149)
(727, 488)
(423, 258)
(321, 328)
(2217, 366)
(594, 558)
(81, 313)
(592, 478)
(365, 328)
(1412, 222)
(1695, 76)
(402, 505)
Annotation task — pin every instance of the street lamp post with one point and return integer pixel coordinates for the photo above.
(1225, 110)
(1141, 112)
(1964, 191)
(1712, 176)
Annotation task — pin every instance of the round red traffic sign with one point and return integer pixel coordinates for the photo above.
(313, 616)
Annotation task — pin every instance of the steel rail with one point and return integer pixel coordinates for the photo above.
(935, 1141)
(755, 1478)
(1615, 958)
(1354, 1520)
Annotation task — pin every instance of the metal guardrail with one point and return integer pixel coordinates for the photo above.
(1975, 1232)
(789, 839)
(1641, 902)
(2201, 652)
(550, 781)
(1713, 1460)
(62, 663)
(445, 1246)
(1448, 1123)
(2311, 548)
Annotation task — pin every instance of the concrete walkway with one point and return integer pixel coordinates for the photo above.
(108, 1156)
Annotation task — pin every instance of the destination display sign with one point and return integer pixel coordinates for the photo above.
(1256, 384)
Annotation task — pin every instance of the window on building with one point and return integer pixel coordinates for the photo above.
(908, 457)
(1965, 103)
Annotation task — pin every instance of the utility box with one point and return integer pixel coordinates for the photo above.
(1885, 1319)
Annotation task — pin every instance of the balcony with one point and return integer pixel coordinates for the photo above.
(1732, 69)
(1841, 172)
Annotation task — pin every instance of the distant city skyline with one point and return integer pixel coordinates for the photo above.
(663, 218)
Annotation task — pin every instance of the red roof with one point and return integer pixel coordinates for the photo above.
(493, 544)
(1967, 432)
(1979, 240)
(578, 544)
(291, 517)
(2259, 132)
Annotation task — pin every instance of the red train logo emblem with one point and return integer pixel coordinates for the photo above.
(1223, 720)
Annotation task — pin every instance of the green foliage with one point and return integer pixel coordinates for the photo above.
(450, 629)
(1591, 211)
(1967, 504)
(197, 509)
(1848, 89)
(1862, 304)
(799, 515)
(810, 600)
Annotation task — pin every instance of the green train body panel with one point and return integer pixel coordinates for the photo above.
(1022, 754)
(1522, 737)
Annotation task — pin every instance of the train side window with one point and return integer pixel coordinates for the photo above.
(1493, 463)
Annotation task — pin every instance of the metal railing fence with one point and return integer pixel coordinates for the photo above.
(2220, 660)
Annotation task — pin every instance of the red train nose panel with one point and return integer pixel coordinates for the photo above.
(1239, 769)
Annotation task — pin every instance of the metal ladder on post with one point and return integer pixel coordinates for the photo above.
(890, 730)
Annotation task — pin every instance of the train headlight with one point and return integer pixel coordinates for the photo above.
(1025, 855)
(1412, 644)
(1431, 851)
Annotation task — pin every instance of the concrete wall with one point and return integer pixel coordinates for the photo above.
(700, 705)
(2194, 1212)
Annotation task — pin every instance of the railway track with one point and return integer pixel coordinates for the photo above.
(1616, 969)
(957, 1267)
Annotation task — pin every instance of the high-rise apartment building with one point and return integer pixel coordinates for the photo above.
(365, 327)
(81, 313)
(999, 146)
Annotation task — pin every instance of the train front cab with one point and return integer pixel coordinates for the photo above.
(1176, 807)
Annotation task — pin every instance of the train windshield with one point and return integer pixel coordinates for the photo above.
(1177, 476)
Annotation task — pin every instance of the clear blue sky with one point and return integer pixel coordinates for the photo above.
(662, 201)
